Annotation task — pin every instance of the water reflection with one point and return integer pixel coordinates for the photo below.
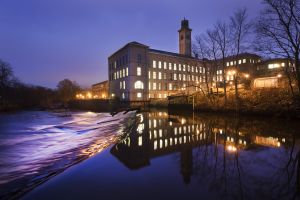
(231, 158)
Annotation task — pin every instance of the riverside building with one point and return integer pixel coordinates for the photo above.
(139, 73)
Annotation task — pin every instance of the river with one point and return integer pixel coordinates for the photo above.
(162, 155)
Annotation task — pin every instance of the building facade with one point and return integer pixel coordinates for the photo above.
(139, 73)
(100, 90)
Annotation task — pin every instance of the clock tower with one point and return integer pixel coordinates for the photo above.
(185, 42)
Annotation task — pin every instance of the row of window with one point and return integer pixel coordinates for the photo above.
(174, 76)
(119, 62)
(232, 63)
(122, 73)
(175, 67)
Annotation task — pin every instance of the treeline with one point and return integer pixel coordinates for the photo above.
(15, 95)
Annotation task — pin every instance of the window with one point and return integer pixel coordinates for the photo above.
(165, 76)
(159, 64)
(149, 85)
(179, 77)
(124, 73)
(139, 85)
(183, 77)
(274, 65)
(127, 71)
(183, 68)
(154, 64)
(227, 64)
(170, 86)
(175, 77)
(240, 61)
(154, 75)
(175, 67)
(192, 68)
(159, 86)
(149, 74)
(179, 67)
(159, 75)
(123, 95)
(154, 86)
(124, 85)
(139, 95)
(244, 60)
(159, 95)
(121, 85)
(165, 65)
(138, 71)
(170, 66)
(120, 73)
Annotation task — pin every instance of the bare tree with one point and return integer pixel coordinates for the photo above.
(222, 38)
(278, 31)
(67, 90)
(6, 74)
(240, 28)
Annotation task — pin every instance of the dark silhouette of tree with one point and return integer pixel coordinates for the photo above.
(278, 31)
(67, 90)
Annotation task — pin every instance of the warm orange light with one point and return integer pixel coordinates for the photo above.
(231, 148)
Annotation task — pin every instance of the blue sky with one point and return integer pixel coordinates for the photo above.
(46, 41)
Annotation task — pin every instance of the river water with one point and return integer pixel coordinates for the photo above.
(161, 155)
(34, 146)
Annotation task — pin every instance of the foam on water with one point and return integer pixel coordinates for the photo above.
(31, 149)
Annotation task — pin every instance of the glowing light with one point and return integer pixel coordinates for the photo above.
(247, 75)
(279, 75)
(231, 148)
(183, 121)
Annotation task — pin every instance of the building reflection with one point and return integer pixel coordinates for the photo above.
(157, 134)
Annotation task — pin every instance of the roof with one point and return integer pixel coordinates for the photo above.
(103, 82)
(171, 54)
(129, 44)
(246, 54)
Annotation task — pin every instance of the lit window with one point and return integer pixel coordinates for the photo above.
(188, 68)
(139, 95)
(192, 68)
(175, 67)
(183, 68)
(159, 86)
(149, 74)
(127, 71)
(227, 64)
(121, 85)
(154, 86)
(123, 95)
(149, 85)
(240, 61)
(282, 64)
(179, 67)
(159, 64)
(123, 72)
(138, 85)
(165, 65)
(272, 66)
(179, 77)
(159, 95)
(175, 76)
(159, 75)
(154, 75)
(170, 86)
(154, 64)
(244, 60)
(183, 77)
(170, 66)
(140, 141)
(138, 71)
(231, 63)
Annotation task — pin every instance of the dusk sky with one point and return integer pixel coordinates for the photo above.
(46, 41)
